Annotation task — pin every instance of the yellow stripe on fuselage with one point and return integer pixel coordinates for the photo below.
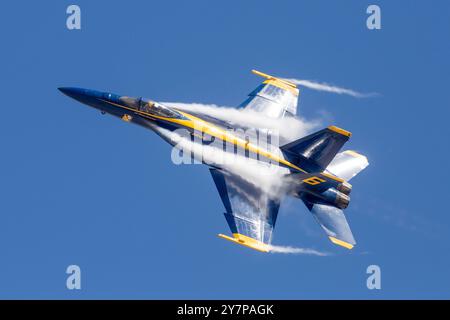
(208, 128)
(332, 177)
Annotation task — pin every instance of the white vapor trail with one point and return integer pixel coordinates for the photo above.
(267, 178)
(322, 86)
(294, 250)
(288, 128)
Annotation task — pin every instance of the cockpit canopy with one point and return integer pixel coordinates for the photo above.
(150, 107)
(159, 110)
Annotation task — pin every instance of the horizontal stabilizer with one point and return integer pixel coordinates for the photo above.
(333, 222)
(347, 164)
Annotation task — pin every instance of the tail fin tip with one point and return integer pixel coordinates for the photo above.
(340, 131)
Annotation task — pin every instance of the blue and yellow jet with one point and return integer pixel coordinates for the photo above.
(314, 170)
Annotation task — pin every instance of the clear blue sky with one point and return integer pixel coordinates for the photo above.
(81, 188)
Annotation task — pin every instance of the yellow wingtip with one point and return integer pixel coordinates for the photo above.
(246, 241)
(269, 77)
(261, 74)
(341, 243)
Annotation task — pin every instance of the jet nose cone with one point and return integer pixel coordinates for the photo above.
(64, 89)
(72, 92)
(85, 96)
(97, 99)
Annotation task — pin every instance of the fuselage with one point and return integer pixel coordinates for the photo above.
(161, 119)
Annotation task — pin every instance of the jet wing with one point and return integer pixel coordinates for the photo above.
(333, 222)
(274, 97)
(250, 213)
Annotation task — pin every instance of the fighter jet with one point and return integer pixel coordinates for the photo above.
(311, 167)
